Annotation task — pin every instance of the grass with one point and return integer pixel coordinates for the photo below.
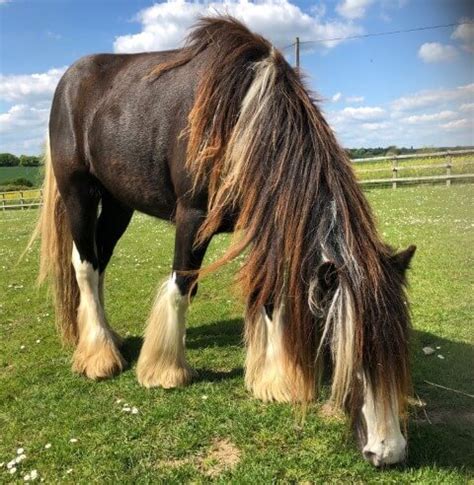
(33, 174)
(175, 435)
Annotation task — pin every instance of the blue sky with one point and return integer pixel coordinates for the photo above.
(412, 89)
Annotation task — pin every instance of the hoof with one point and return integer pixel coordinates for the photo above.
(157, 375)
(98, 360)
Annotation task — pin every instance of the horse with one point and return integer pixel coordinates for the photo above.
(222, 135)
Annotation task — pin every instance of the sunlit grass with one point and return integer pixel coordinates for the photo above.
(173, 436)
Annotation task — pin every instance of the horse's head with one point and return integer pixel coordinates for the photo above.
(368, 337)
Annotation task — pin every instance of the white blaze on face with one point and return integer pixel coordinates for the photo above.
(386, 444)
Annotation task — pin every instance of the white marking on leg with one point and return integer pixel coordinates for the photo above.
(96, 354)
(386, 444)
(162, 360)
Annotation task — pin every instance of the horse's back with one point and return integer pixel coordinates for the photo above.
(111, 119)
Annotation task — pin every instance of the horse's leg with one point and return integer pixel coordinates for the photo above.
(162, 361)
(96, 355)
(269, 374)
(112, 223)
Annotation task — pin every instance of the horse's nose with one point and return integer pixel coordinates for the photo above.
(385, 452)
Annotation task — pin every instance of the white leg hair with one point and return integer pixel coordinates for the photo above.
(268, 372)
(386, 444)
(96, 355)
(162, 361)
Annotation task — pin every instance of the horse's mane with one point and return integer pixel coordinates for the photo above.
(259, 143)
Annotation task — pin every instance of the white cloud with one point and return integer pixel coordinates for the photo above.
(336, 97)
(21, 116)
(434, 97)
(465, 34)
(435, 52)
(17, 87)
(363, 113)
(426, 118)
(374, 126)
(28, 97)
(164, 25)
(23, 129)
(355, 99)
(466, 107)
(458, 124)
(353, 9)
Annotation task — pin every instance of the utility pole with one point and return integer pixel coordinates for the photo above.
(297, 52)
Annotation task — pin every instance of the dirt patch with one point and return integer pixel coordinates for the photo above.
(327, 410)
(222, 456)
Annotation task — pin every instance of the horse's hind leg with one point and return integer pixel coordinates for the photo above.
(96, 354)
(162, 361)
(112, 223)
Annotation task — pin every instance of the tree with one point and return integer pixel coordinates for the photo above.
(29, 161)
(9, 160)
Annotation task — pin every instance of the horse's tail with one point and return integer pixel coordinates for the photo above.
(55, 254)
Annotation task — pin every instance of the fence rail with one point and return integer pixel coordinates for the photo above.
(25, 199)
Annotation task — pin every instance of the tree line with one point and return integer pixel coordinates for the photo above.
(10, 160)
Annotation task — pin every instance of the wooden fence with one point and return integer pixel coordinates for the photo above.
(450, 159)
(25, 199)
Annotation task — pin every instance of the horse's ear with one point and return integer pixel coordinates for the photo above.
(402, 259)
(327, 276)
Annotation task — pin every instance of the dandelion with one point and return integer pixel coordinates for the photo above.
(73, 440)
(20, 451)
(47, 446)
(134, 410)
(12, 470)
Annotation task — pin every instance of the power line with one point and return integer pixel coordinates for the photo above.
(380, 34)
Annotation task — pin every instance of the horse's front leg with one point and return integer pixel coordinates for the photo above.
(162, 361)
(270, 373)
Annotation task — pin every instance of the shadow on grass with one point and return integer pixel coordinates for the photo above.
(131, 349)
(442, 432)
(208, 375)
(224, 333)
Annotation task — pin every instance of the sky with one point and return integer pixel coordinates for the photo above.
(410, 89)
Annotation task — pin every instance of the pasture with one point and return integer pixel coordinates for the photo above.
(33, 174)
(213, 429)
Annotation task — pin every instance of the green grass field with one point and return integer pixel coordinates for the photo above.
(33, 174)
(213, 429)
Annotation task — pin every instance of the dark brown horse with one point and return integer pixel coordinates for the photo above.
(222, 135)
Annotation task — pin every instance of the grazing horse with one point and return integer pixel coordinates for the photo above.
(220, 136)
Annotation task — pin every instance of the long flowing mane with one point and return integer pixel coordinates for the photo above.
(260, 145)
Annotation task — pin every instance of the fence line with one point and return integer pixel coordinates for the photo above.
(25, 199)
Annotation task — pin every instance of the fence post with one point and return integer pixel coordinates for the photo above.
(448, 169)
(22, 200)
(297, 52)
(394, 173)
(4, 204)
